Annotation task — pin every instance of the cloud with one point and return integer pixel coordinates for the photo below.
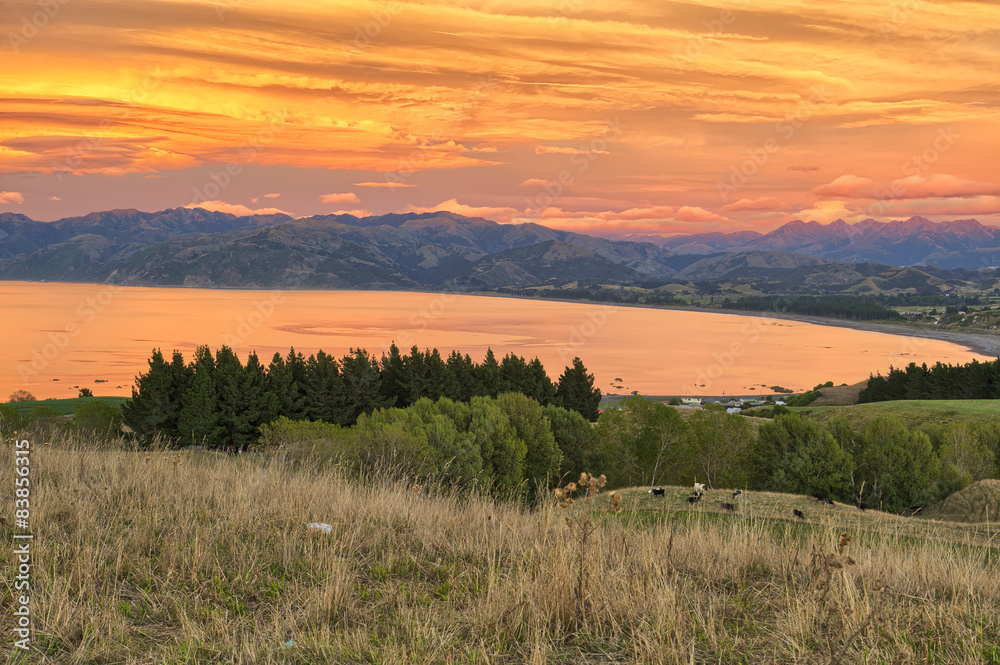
(844, 186)
(11, 197)
(938, 186)
(535, 182)
(54, 198)
(271, 196)
(383, 184)
(347, 197)
(760, 203)
(562, 150)
(237, 209)
(495, 213)
(805, 168)
(361, 212)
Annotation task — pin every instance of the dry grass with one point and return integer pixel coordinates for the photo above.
(979, 502)
(840, 395)
(196, 558)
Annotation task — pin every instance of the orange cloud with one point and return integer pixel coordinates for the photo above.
(759, 203)
(11, 197)
(843, 186)
(938, 186)
(237, 209)
(384, 184)
(348, 197)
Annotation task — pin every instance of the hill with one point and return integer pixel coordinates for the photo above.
(916, 241)
(979, 502)
(914, 413)
(212, 560)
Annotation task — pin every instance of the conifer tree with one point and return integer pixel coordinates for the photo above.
(199, 408)
(576, 391)
(362, 386)
(488, 375)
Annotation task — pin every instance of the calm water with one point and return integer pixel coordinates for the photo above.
(60, 336)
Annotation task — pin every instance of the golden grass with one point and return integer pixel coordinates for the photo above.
(191, 558)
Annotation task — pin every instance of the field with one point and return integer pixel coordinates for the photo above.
(62, 407)
(912, 412)
(169, 557)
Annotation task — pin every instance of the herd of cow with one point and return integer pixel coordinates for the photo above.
(700, 490)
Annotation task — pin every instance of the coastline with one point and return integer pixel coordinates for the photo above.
(982, 344)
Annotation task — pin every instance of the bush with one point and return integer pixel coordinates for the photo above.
(98, 416)
(21, 396)
(799, 456)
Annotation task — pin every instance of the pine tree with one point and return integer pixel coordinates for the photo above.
(156, 396)
(488, 375)
(286, 390)
(576, 391)
(464, 371)
(198, 421)
(362, 386)
(326, 396)
(393, 377)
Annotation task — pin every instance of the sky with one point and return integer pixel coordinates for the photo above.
(599, 116)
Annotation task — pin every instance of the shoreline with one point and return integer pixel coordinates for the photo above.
(982, 344)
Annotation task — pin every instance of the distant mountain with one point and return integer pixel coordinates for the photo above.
(184, 247)
(964, 243)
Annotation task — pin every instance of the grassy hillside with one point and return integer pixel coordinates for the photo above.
(62, 407)
(194, 557)
(912, 412)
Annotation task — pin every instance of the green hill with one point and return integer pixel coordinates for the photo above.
(914, 413)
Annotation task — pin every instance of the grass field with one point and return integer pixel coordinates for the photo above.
(912, 412)
(62, 407)
(188, 557)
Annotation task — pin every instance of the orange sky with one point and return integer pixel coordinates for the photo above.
(590, 115)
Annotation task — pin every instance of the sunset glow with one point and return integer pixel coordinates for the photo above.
(597, 116)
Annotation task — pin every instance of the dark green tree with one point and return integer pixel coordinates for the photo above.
(576, 391)
(362, 385)
(644, 442)
(288, 393)
(502, 451)
(198, 422)
(487, 375)
(576, 438)
(897, 466)
(156, 397)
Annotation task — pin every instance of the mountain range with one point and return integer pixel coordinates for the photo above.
(963, 243)
(195, 247)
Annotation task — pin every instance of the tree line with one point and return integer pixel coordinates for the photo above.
(838, 307)
(512, 441)
(216, 400)
(974, 380)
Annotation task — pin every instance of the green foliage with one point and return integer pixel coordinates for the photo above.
(542, 457)
(576, 437)
(198, 421)
(896, 465)
(804, 399)
(394, 441)
(795, 455)
(10, 419)
(85, 392)
(969, 455)
(98, 416)
(720, 447)
(502, 451)
(644, 442)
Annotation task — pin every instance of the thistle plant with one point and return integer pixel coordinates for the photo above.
(581, 527)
